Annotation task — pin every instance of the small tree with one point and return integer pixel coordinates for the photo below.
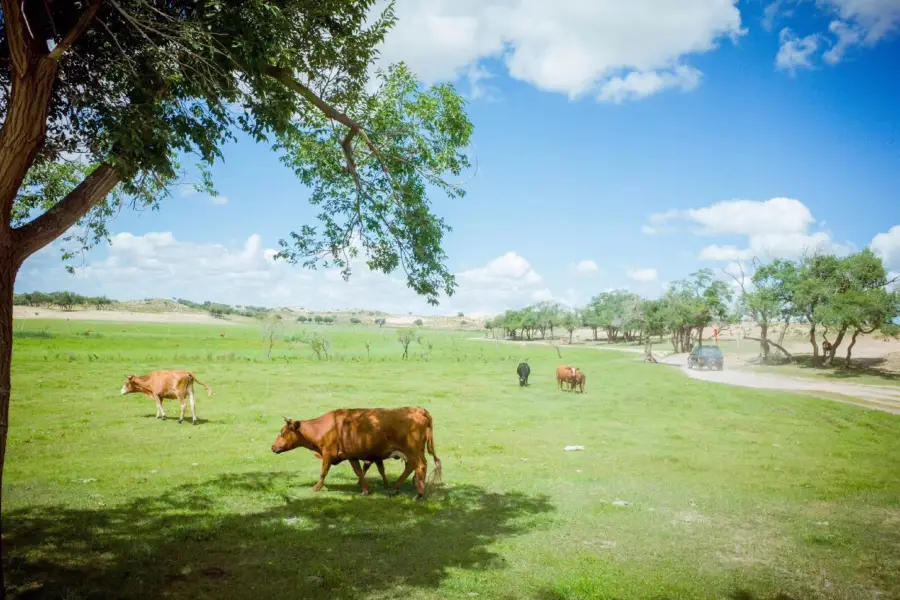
(570, 322)
(271, 330)
(318, 319)
(406, 336)
(380, 322)
(418, 323)
(355, 320)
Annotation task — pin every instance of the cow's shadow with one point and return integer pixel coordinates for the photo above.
(200, 541)
(187, 419)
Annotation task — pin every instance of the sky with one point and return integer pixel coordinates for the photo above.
(618, 145)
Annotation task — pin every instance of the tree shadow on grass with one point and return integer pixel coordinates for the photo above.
(871, 366)
(197, 541)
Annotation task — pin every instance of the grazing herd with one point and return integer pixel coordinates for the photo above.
(571, 376)
(370, 435)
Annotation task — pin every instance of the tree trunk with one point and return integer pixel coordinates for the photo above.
(595, 333)
(700, 335)
(815, 345)
(771, 343)
(834, 347)
(8, 270)
(850, 347)
(764, 342)
(787, 323)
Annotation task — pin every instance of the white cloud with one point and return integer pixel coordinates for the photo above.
(507, 269)
(846, 36)
(649, 230)
(876, 19)
(642, 275)
(160, 265)
(607, 48)
(778, 227)
(542, 295)
(854, 23)
(587, 267)
(220, 200)
(637, 85)
(770, 14)
(887, 246)
(188, 190)
(723, 253)
(795, 52)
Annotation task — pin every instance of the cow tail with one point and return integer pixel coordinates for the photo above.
(429, 444)
(208, 389)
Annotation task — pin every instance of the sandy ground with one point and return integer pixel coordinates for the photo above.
(27, 312)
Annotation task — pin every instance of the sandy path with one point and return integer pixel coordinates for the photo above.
(885, 398)
(27, 312)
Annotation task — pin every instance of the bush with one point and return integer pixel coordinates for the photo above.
(418, 323)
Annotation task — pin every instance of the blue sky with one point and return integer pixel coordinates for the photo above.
(618, 145)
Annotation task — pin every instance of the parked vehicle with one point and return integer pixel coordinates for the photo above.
(706, 356)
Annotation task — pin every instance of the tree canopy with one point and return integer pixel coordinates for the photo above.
(137, 87)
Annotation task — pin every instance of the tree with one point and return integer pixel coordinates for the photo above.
(858, 302)
(813, 291)
(418, 323)
(406, 336)
(570, 322)
(380, 322)
(133, 87)
(765, 299)
(355, 320)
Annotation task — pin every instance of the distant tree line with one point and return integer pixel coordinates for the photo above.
(318, 319)
(220, 311)
(836, 298)
(64, 300)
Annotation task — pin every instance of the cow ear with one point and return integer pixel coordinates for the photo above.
(296, 425)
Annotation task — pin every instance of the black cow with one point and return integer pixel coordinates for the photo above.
(524, 371)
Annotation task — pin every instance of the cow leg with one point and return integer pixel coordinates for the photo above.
(409, 469)
(182, 402)
(380, 465)
(193, 412)
(419, 478)
(160, 413)
(362, 477)
(326, 465)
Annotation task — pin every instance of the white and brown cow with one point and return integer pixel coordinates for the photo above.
(158, 385)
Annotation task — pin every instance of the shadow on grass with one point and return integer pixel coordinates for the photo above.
(196, 541)
(871, 366)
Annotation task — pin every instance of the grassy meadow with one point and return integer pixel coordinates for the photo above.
(685, 489)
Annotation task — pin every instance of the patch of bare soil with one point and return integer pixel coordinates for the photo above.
(27, 312)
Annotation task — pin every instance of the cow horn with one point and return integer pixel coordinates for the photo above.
(287, 420)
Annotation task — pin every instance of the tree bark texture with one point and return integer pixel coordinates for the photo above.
(7, 279)
(850, 347)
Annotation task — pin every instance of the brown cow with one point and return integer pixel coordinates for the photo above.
(166, 384)
(579, 380)
(368, 434)
(565, 373)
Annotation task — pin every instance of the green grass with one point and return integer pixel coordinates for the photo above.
(729, 488)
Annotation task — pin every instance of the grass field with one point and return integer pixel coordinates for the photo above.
(685, 489)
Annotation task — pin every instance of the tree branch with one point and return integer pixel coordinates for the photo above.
(36, 234)
(287, 79)
(79, 28)
(14, 22)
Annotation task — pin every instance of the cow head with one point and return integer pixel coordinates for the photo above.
(289, 437)
(129, 386)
